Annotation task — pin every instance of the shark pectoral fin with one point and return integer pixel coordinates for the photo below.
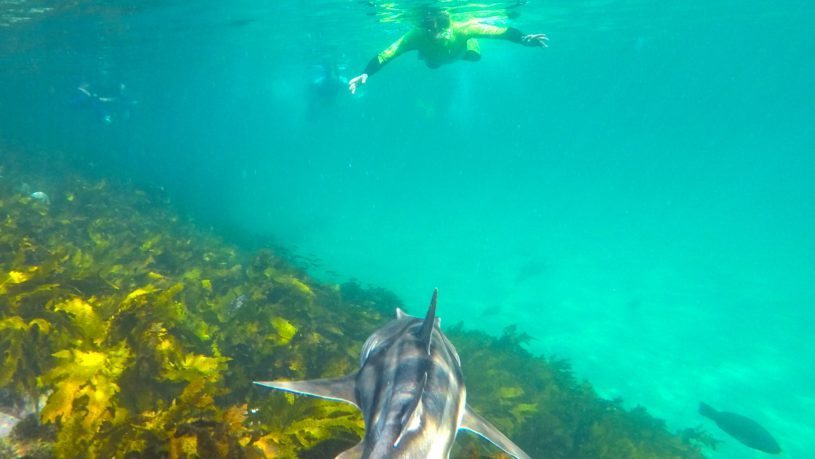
(353, 453)
(339, 389)
(476, 424)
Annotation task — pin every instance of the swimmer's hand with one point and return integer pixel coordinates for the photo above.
(535, 39)
(356, 81)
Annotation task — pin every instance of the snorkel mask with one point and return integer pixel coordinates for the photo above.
(436, 23)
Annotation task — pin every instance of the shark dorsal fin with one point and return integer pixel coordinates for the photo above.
(412, 419)
(426, 331)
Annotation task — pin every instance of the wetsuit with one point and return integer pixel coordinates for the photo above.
(456, 42)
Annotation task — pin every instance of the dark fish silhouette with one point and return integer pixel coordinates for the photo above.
(410, 390)
(743, 429)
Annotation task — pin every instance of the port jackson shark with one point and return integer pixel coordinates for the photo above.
(410, 389)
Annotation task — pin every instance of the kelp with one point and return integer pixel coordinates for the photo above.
(132, 333)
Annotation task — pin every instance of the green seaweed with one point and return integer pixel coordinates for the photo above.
(141, 335)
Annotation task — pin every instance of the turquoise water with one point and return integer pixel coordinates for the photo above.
(638, 197)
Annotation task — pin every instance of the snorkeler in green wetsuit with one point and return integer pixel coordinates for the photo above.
(441, 41)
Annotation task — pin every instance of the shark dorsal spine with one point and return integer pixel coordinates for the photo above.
(426, 332)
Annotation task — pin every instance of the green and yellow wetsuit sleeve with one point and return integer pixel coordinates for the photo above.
(475, 29)
(406, 43)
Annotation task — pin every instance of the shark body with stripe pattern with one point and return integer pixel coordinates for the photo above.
(410, 389)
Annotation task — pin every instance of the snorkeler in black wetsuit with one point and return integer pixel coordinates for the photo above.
(103, 107)
(326, 83)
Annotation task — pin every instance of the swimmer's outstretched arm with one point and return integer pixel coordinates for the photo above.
(475, 29)
(406, 43)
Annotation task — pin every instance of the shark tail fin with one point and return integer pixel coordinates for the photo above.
(426, 331)
(478, 425)
(339, 389)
